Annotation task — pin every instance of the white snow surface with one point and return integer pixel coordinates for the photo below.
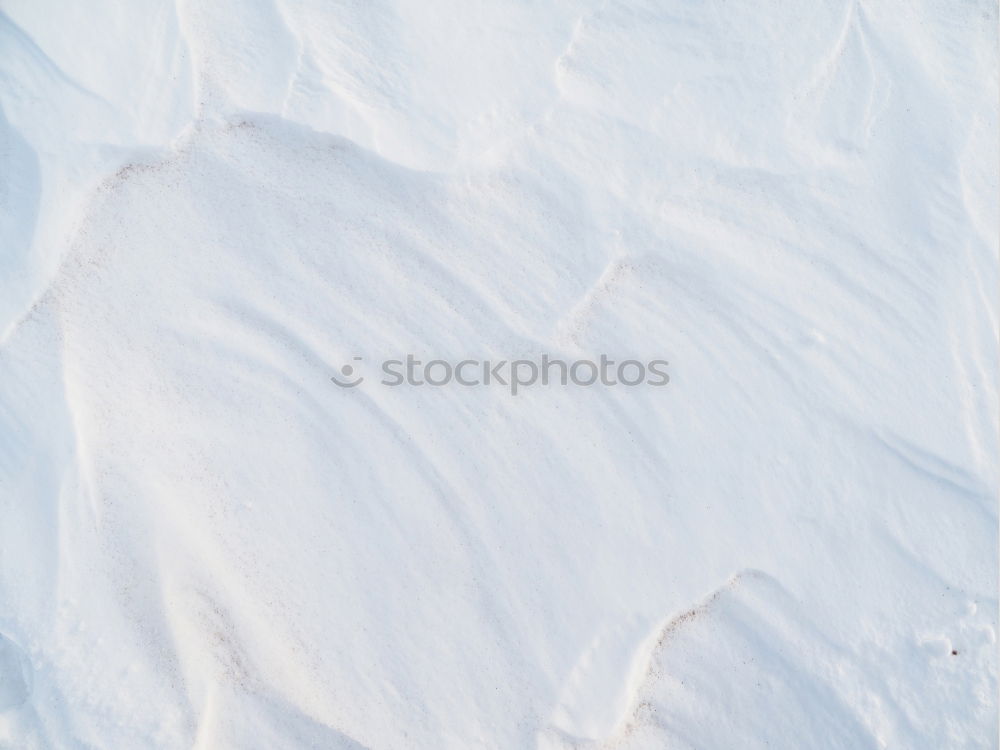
(207, 208)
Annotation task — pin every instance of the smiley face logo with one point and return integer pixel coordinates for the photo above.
(347, 371)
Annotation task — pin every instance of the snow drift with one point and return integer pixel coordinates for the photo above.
(207, 209)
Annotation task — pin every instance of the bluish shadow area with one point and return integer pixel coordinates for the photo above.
(20, 193)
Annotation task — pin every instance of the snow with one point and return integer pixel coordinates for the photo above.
(207, 209)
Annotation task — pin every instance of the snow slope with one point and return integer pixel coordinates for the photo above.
(207, 209)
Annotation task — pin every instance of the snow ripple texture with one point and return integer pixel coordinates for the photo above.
(207, 208)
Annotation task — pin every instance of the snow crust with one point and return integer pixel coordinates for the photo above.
(206, 209)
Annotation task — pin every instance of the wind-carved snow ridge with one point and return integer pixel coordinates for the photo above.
(724, 665)
(206, 210)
